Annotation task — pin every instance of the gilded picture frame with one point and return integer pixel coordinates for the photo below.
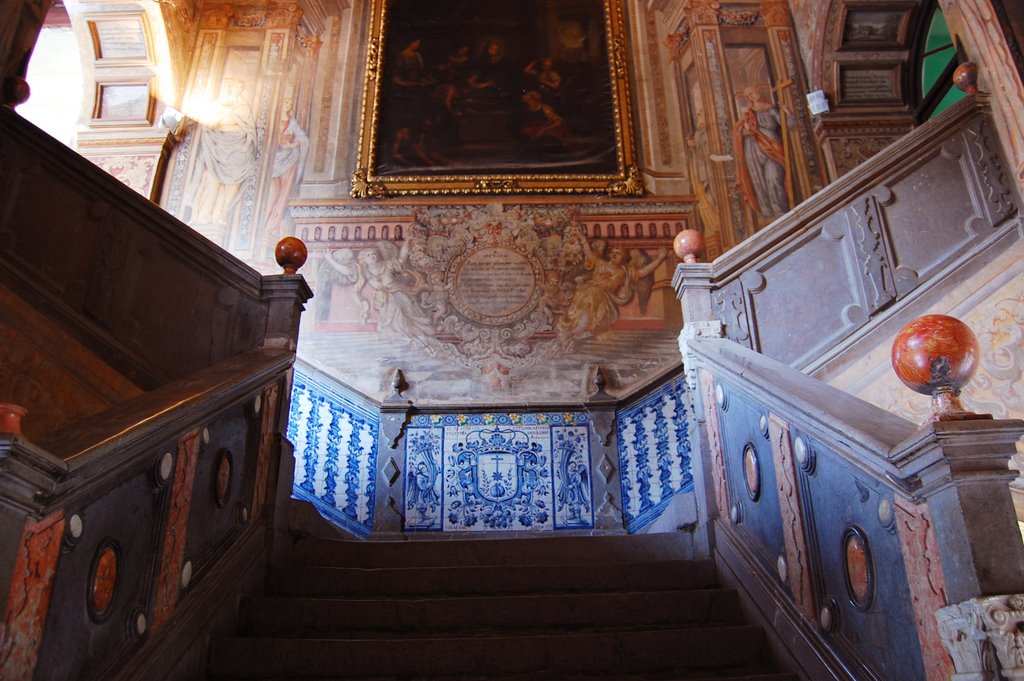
(463, 97)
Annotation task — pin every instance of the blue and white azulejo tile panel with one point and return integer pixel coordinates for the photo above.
(495, 472)
(654, 452)
(335, 439)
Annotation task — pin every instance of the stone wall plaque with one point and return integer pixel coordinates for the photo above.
(121, 39)
(123, 103)
(869, 85)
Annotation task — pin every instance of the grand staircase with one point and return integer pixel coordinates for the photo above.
(565, 608)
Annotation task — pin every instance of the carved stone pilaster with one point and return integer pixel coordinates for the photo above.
(985, 637)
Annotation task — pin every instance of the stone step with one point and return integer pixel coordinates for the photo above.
(495, 580)
(557, 676)
(311, 617)
(516, 551)
(711, 651)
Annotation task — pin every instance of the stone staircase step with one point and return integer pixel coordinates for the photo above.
(557, 676)
(682, 652)
(517, 551)
(296, 617)
(373, 582)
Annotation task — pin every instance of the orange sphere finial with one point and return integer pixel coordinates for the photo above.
(937, 355)
(291, 254)
(10, 418)
(688, 245)
(966, 77)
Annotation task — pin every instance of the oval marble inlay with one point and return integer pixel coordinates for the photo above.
(857, 568)
(104, 580)
(222, 479)
(752, 472)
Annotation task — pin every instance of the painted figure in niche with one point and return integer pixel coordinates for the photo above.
(286, 171)
(227, 156)
(610, 283)
(761, 155)
(700, 173)
(573, 494)
(424, 497)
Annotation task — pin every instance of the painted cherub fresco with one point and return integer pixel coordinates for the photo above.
(611, 281)
(394, 288)
(385, 283)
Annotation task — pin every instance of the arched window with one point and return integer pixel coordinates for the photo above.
(936, 60)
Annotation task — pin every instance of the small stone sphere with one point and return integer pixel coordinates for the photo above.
(688, 245)
(15, 91)
(935, 351)
(290, 254)
(966, 77)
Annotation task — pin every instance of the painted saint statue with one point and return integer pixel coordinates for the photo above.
(757, 139)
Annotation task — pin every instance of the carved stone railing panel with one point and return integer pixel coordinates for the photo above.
(838, 501)
(859, 252)
(152, 501)
(751, 479)
(860, 526)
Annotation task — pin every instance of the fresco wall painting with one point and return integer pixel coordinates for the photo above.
(509, 304)
(245, 142)
(751, 151)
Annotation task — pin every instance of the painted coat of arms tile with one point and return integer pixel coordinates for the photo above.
(504, 472)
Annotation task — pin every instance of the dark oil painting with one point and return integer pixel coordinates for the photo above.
(470, 88)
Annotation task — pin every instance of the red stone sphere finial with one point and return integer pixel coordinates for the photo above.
(966, 77)
(688, 245)
(937, 355)
(291, 254)
(15, 91)
(10, 418)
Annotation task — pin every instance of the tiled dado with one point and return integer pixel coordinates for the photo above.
(488, 472)
(335, 439)
(485, 472)
(654, 452)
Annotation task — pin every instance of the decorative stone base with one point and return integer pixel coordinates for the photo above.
(985, 637)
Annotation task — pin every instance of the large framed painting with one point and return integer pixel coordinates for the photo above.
(470, 97)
